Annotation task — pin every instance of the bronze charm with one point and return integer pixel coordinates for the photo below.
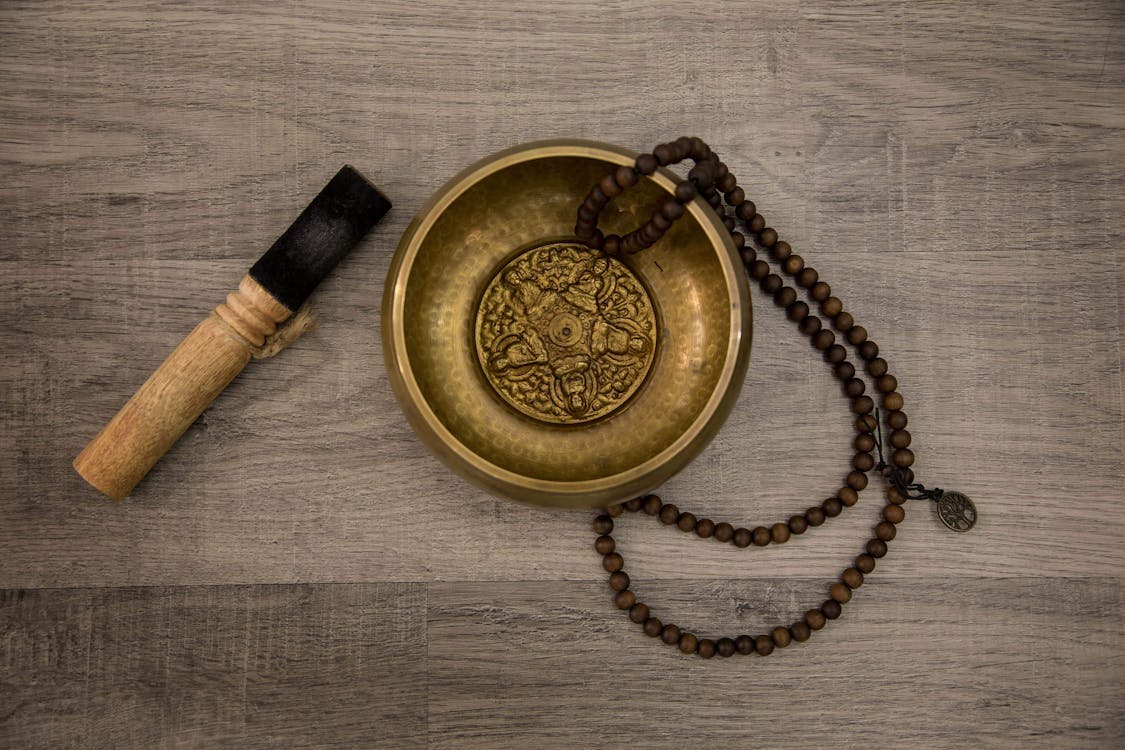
(957, 511)
(565, 334)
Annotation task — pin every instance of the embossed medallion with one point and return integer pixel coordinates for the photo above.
(957, 511)
(565, 334)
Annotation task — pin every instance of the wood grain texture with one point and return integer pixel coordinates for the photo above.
(955, 170)
(230, 666)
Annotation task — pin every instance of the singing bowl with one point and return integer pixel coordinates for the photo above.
(548, 373)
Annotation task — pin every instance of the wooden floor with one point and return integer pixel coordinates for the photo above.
(300, 572)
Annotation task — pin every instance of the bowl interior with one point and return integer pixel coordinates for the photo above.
(476, 228)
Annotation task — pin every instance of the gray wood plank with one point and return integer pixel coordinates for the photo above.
(980, 662)
(248, 666)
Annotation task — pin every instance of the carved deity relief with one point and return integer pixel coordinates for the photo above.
(565, 334)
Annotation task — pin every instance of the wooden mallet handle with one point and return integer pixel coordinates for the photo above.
(219, 348)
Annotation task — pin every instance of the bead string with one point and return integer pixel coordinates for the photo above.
(712, 180)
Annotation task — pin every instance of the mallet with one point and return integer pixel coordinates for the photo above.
(220, 347)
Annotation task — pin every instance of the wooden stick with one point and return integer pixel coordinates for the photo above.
(181, 388)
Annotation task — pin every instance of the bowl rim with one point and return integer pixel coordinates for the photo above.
(602, 490)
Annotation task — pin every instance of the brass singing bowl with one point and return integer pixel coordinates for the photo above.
(547, 373)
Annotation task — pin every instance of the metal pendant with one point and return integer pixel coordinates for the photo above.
(956, 511)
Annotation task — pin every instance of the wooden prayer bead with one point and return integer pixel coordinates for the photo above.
(780, 637)
(706, 648)
(626, 177)
(603, 524)
(823, 339)
(840, 593)
(893, 401)
(604, 545)
(619, 581)
(852, 578)
(779, 533)
(844, 371)
(877, 367)
(669, 514)
(686, 522)
(653, 627)
(800, 631)
(746, 210)
(865, 563)
(744, 644)
(742, 537)
(807, 278)
(763, 644)
(724, 532)
(670, 635)
(810, 325)
(815, 619)
(705, 528)
(798, 524)
(885, 530)
(688, 643)
(613, 562)
(724, 647)
(609, 186)
(894, 513)
(625, 599)
(785, 296)
(862, 405)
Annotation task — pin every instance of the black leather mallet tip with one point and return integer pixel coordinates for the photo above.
(335, 221)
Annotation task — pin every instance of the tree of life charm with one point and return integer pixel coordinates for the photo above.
(957, 511)
(565, 334)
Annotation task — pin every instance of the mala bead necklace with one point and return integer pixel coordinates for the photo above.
(712, 180)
